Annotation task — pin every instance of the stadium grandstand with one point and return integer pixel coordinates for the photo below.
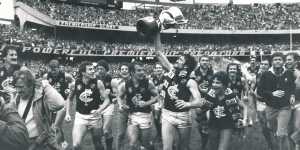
(91, 30)
(220, 29)
(201, 16)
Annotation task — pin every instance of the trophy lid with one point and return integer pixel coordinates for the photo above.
(173, 16)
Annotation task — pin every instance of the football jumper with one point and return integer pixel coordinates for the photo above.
(136, 94)
(176, 89)
(236, 87)
(87, 96)
(223, 113)
(200, 78)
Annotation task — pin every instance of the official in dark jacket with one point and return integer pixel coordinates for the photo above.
(277, 87)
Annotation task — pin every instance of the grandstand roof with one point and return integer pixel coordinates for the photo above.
(6, 11)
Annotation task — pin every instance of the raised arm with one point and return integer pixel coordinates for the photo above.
(159, 54)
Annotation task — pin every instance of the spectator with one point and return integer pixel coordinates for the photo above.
(14, 135)
(35, 100)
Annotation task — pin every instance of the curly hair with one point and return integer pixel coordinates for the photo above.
(9, 47)
(238, 67)
(27, 77)
(190, 62)
(104, 64)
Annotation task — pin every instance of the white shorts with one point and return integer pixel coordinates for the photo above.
(178, 119)
(87, 120)
(109, 110)
(157, 106)
(140, 119)
(261, 106)
(296, 105)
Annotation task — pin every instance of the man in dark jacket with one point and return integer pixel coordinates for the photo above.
(277, 87)
(14, 135)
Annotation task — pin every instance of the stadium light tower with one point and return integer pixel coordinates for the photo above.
(291, 38)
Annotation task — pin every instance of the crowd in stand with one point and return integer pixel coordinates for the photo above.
(243, 17)
(94, 15)
(35, 38)
(200, 16)
(12, 34)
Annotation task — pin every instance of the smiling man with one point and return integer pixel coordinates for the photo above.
(136, 93)
(182, 94)
(202, 75)
(291, 64)
(277, 87)
(223, 112)
(10, 57)
(157, 79)
(122, 115)
(87, 91)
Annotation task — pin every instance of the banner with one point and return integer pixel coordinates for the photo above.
(128, 53)
(85, 25)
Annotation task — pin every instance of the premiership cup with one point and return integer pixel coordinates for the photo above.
(148, 26)
(169, 18)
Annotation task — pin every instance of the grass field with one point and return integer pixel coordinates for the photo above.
(253, 141)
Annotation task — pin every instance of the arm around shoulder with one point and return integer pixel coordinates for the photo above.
(197, 101)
